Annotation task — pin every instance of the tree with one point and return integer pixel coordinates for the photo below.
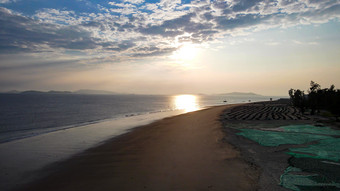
(298, 99)
(314, 87)
(328, 99)
(314, 97)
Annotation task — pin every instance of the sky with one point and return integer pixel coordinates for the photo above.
(169, 46)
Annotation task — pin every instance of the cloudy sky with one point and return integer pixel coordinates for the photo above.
(169, 46)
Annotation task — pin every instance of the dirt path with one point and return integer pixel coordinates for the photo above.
(185, 152)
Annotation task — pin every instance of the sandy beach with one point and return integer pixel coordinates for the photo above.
(207, 150)
(185, 152)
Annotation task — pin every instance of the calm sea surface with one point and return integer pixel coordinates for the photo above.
(37, 130)
(25, 115)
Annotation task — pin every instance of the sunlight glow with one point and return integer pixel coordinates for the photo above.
(186, 102)
(187, 52)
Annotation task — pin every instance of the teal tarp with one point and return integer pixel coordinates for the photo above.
(310, 129)
(292, 180)
(274, 138)
(327, 148)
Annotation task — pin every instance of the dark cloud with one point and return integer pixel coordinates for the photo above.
(170, 28)
(94, 24)
(287, 2)
(121, 46)
(333, 10)
(180, 26)
(160, 30)
(240, 21)
(16, 32)
(179, 22)
(208, 16)
(220, 5)
(20, 33)
(243, 5)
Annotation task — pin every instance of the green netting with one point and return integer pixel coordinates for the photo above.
(304, 182)
(273, 138)
(310, 129)
(292, 134)
(326, 149)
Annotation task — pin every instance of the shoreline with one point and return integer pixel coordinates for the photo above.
(24, 134)
(185, 152)
(22, 158)
(206, 149)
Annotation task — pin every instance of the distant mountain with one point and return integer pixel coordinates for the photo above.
(32, 92)
(240, 94)
(84, 91)
(59, 92)
(41, 92)
(12, 92)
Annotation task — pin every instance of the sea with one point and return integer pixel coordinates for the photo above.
(37, 130)
(27, 115)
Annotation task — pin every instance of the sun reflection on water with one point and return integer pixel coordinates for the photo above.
(186, 102)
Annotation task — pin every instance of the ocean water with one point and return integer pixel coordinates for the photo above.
(26, 115)
(37, 130)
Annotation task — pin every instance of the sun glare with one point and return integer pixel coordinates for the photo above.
(186, 53)
(186, 102)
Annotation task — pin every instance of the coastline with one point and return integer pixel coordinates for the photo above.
(22, 159)
(185, 152)
(209, 149)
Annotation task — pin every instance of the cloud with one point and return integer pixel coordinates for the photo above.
(153, 51)
(240, 21)
(7, 1)
(135, 28)
(150, 6)
(134, 1)
(169, 4)
(55, 16)
(23, 34)
(122, 46)
(244, 5)
(20, 33)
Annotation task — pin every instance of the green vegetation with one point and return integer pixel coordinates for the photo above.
(317, 99)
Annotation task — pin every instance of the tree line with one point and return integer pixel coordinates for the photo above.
(317, 99)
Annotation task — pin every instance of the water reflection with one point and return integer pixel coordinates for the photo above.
(186, 102)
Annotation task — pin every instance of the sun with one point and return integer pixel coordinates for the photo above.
(187, 103)
(187, 52)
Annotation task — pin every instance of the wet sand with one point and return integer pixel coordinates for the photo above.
(185, 152)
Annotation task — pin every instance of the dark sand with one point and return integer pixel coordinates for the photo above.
(185, 152)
